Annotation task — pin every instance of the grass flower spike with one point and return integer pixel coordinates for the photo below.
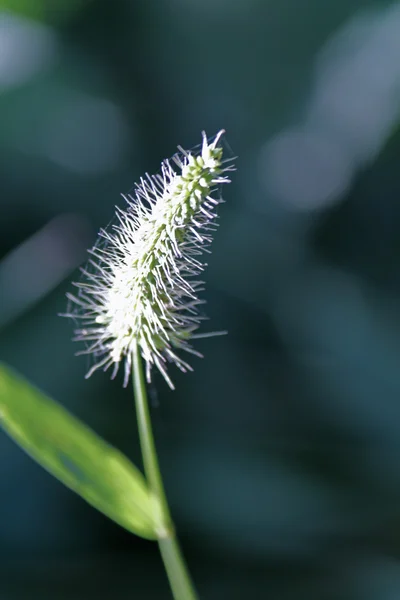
(140, 289)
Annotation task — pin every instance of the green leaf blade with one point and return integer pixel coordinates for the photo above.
(74, 454)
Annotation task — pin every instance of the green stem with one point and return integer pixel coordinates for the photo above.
(175, 566)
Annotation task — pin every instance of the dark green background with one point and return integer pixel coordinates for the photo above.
(281, 452)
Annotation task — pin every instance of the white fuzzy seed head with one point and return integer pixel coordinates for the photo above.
(142, 288)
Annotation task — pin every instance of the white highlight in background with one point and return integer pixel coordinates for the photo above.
(26, 49)
(353, 108)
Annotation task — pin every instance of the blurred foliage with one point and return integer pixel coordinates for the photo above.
(44, 10)
(282, 450)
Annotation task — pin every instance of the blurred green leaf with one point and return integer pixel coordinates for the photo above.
(42, 10)
(75, 454)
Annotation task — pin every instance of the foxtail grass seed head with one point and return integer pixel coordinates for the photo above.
(141, 288)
